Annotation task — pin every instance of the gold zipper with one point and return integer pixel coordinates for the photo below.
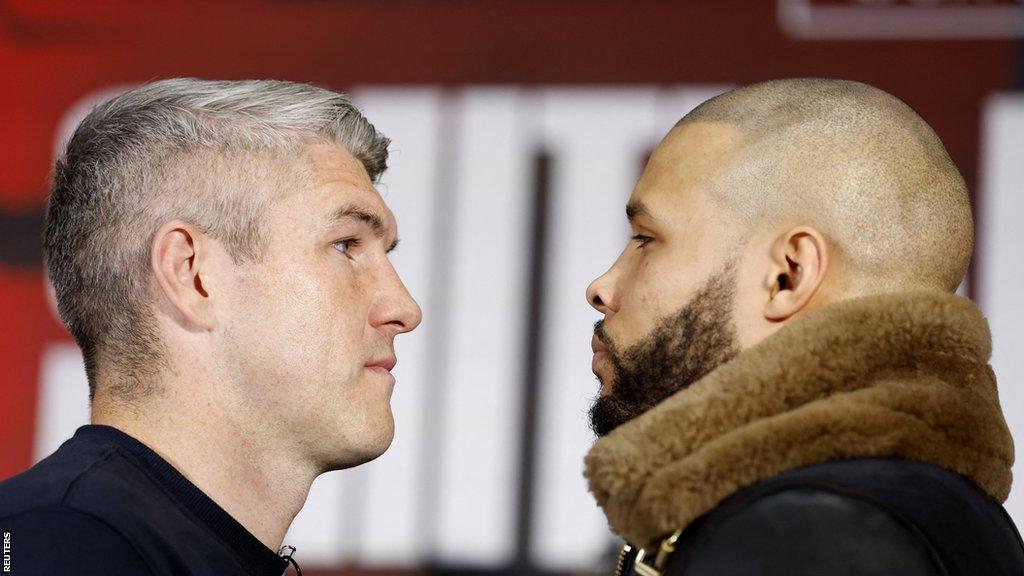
(620, 566)
(642, 568)
(667, 548)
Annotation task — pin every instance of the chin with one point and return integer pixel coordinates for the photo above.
(380, 444)
(362, 446)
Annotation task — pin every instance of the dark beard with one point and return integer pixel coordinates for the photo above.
(683, 348)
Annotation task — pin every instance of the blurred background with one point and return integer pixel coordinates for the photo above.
(518, 131)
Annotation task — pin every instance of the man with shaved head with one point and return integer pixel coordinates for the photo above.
(789, 382)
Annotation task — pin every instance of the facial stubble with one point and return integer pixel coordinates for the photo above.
(683, 348)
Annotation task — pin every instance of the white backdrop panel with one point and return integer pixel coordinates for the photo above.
(1001, 265)
(490, 216)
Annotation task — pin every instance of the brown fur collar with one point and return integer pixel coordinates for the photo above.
(896, 375)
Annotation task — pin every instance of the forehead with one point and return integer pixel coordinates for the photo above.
(333, 179)
(684, 163)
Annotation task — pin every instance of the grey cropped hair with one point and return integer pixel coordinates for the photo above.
(206, 152)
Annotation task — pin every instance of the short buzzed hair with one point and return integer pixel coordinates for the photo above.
(210, 153)
(856, 162)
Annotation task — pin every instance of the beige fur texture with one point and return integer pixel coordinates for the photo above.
(902, 375)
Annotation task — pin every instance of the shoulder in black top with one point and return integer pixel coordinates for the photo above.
(104, 503)
(861, 517)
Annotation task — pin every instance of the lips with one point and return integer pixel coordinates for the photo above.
(384, 363)
(599, 353)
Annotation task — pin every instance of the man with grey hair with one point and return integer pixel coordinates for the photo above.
(220, 254)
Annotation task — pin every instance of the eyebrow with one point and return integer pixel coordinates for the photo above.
(372, 219)
(636, 209)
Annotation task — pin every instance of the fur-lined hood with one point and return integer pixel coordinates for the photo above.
(896, 375)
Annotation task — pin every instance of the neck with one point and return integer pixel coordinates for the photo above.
(220, 455)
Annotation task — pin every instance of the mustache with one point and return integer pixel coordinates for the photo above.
(602, 336)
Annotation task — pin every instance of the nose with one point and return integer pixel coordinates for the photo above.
(602, 294)
(396, 312)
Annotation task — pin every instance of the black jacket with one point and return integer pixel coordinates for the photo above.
(853, 518)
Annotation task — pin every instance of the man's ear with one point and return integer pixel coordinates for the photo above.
(180, 252)
(799, 259)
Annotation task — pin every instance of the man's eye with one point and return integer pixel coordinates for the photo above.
(641, 240)
(345, 244)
